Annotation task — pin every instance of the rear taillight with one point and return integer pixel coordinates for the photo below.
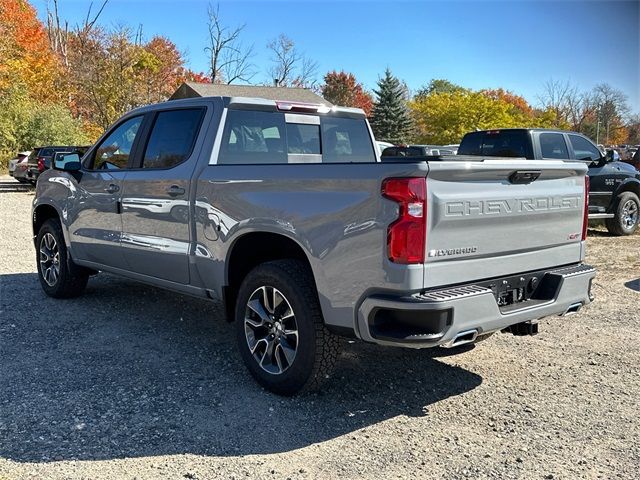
(41, 166)
(407, 236)
(585, 218)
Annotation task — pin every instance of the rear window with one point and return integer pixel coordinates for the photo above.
(552, 145)
(497, 143)
(46, 152)
(253, 137)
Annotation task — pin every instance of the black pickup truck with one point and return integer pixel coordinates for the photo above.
(614, 186)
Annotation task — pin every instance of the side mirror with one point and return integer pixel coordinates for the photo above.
(68, 163)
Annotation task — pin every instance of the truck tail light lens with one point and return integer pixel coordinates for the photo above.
(407, 236)
(585, 218)
(41, 166)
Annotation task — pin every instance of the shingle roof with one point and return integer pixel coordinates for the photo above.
(193, 89)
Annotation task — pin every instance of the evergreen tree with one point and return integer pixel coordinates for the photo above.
(391, 120)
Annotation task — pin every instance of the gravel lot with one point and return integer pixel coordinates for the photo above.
(131, 381)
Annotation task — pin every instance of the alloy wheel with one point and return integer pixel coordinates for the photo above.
(49, 259)
(271, 330)
(629, 214)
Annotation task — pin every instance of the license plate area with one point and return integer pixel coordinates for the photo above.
(520, 291)
(509, 297)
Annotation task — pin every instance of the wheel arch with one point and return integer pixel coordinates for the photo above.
(42, 213)
(629, 185)
(252, 249)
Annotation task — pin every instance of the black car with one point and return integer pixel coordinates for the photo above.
(41, 157)
(614, 194)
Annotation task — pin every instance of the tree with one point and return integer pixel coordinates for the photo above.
(25, 56)
(289, 67)
(558, 96)
(611, 107)
(439, 85)
(229, 60)
(25, 122)
(444, 118)
(519, 104)
(390, 118)
(342, 88)
(163, 70)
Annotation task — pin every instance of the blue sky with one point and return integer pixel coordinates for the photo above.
(517, 45)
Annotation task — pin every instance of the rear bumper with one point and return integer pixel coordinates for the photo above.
(438, 317)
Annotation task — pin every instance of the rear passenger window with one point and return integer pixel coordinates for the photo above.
(584, 149)
(346, 140)
(172, 138)
(553, 146)
(253, 137)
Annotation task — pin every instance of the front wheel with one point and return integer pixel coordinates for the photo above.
(279, 328)
(626, 214)
(59, 276)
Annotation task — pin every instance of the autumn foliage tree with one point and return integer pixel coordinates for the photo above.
(444, 118)
(26, 60)
(342, 88)
(33, 107)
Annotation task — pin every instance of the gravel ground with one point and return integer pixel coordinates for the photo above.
(131, 381)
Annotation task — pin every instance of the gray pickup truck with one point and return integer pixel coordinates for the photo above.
(286, 213)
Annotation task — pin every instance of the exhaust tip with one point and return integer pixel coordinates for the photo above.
(574, 308)
(462, 338)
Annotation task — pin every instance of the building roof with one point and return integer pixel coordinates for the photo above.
(288, 94)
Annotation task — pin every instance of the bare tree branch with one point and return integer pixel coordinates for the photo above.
(556, 96)
(229, 60)
(289, 67)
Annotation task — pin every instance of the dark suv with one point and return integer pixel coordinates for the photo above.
(41, 157)
(615, 186)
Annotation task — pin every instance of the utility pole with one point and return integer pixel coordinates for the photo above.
(598, 132)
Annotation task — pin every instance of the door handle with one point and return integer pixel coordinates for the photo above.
(112, 188)
(175, 190)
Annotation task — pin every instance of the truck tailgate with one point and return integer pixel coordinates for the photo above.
(483, 221)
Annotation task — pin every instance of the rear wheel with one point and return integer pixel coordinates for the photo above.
(626, 214)
(59, 276)
(279, 328)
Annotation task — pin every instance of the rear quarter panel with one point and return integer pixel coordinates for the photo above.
(335, 212)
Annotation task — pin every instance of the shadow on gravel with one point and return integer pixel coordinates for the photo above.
(129, 370)
(633, 284)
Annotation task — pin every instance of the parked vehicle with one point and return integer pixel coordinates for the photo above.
(20, 172)
(416, 151)
(40, 159)
(615, 186)
(383, 145)
(452, 147)
(293, 222)
(635, 160)
(20, 157)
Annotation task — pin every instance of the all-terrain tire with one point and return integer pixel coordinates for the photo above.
(626, 211)
(316, 349)
(71, 279)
